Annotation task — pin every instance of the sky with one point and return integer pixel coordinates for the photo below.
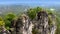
(30, 2)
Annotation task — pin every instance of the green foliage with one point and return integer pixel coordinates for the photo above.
(1, 19)
(49, 11)
(34, 31)
(32, 12)
(37, 9)
(50, 20)
(58, 25)
(8, 18)
(2, 23)
(7, 28)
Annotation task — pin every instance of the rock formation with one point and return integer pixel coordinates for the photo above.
(22, 25)
(4, 31)
(41, 25)
(53, 26)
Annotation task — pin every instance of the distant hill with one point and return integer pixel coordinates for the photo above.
(18, 8)
(12, 8)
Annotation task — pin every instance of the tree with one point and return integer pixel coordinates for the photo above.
(8, 18)
(2, 23)
(32, 12)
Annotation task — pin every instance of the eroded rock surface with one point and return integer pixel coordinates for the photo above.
(41, 25)
(22, 25)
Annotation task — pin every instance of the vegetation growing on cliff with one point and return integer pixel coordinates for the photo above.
(32, 14)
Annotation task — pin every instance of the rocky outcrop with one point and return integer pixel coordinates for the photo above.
(53, 26)
(3, 30)
(23, 24)
(43, 25)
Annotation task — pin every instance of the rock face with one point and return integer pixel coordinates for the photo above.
(43, 22)
(23, 25)
(4, 31)
(42, 25)
(53, 26)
